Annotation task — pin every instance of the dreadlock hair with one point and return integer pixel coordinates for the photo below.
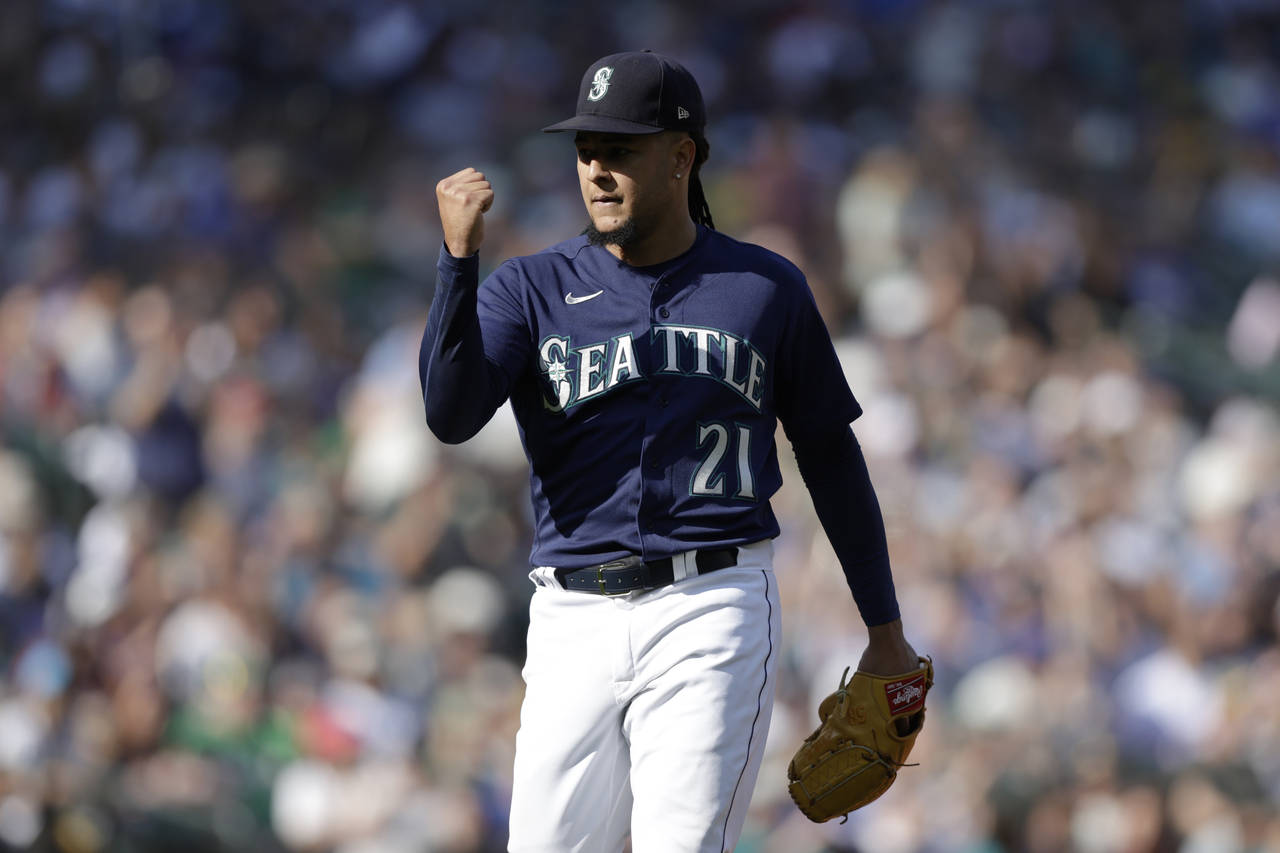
(698, 208)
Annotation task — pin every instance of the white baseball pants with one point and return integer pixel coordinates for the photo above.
(646, 713)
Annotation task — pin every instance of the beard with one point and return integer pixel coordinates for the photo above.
(624, 236)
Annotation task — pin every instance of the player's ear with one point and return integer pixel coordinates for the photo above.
(683, 151)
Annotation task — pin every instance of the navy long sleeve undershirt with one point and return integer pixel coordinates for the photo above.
(835, 473)
(462, 387)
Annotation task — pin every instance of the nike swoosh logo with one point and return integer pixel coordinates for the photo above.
(570, 299)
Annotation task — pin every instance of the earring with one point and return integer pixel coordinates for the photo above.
(677, 175)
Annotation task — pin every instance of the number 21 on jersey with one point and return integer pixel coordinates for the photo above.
(709, 478)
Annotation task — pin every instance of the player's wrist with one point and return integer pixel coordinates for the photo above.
(888, 632)
(459, 252)
(452, 266)
(888, 651)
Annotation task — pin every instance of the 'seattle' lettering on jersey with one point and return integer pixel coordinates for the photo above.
(601, 366)
(648, 412)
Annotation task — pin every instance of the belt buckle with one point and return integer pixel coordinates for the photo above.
(623, 563)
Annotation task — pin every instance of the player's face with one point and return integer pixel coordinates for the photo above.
(626, 180)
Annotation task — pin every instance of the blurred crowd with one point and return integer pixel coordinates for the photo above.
(247, 602)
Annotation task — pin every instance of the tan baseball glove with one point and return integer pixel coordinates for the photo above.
(868, 728)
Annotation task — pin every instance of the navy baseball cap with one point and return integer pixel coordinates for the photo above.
(636, 92)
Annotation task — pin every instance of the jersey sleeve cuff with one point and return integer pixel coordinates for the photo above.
(453, 269)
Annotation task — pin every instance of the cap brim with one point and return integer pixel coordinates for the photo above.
(602, 124)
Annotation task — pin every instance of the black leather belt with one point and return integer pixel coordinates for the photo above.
(629, 574)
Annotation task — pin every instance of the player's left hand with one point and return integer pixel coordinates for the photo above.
(888, 652)
(866, 732)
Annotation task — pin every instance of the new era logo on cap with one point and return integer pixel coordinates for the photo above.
(636, 92)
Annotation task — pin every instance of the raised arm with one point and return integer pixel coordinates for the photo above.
(471, 349)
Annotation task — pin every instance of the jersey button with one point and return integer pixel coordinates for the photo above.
(664, 313)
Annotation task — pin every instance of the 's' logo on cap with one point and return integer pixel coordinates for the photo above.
(600, 84)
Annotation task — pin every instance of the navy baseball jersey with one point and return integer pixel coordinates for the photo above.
(647, 397)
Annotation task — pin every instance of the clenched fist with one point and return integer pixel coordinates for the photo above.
(464, 197)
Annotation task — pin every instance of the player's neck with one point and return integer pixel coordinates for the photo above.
(665, 243)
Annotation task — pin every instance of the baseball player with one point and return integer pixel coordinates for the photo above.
(648, 361)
